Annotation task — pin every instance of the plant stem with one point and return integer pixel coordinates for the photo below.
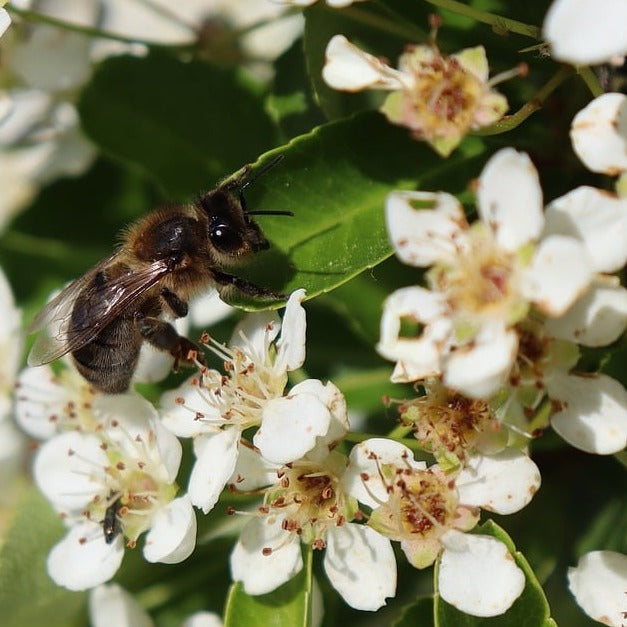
(591, 80)
(510, 122)
(405, 30)
(89, 31)
(500, 25)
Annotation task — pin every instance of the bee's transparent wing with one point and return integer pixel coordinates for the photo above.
(107, 301)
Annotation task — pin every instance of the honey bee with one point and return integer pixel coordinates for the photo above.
(165, 258)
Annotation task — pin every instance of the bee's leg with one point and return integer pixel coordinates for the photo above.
(175, 303)
(244, 286)
(163, 335)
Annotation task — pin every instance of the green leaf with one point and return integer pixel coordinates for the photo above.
(186, 123)
(335, 180)
(27, 595)
(290, 101)
(531, 607)
(287, 606)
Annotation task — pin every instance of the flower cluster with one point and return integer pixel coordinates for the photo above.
(503, 334)
(510, 295)
(111, 483)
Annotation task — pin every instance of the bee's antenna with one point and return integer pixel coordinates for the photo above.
(266, 168)
(240, 190)
(270, 213)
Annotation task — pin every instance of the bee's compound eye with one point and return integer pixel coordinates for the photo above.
(225, 238)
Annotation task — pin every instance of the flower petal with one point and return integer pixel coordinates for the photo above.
(475, 61)
(153, 364)
(362, 479)
(417, 357)
(599, 582)
(5, 21)
(40, 399)
(361, 566)
(203, 619)
(481, 368)
(110, 605)
(185, 410)
(254, 333)
(290, 426)
(510, 199)
(172, 536)
(351, 69)
(334, 400)
(291, 345)
(599, 134)
(216, 456)
(560, 272)
(130, 419)
(477, 574)
(252, 471)
(207, 309)
(503, 483)
(597, 219)
(424, 236)
(64, 470)
(83, 559)
(262, 559)
(579, 34)
(596, 319)
(592, 413)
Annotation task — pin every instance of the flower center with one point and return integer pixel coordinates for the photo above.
(310, 499)
(443, 96)
(241, 394)
(482, 282)
(420, 503)
(447, 424)
(128, 501)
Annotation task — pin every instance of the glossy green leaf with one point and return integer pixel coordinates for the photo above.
(287, 606)
(185, 123)
(531, 607)
(335, 181)
(27, 595)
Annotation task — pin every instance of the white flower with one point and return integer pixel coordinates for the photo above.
(12, 442)
(492, 569)
(214, 409)
(115, 483)
(110, 604)
(599, 582)
(47, 403)
(485, 277)
(599, 134)
(308, 504)
(588, 410)
(222, 26)
(5, 19)
(584, 32)
(40, 140)
(336, 4)
(451, 426)
(202, 619)
(10, 344)
(438, 98)
(597, 319)
(426, 510)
